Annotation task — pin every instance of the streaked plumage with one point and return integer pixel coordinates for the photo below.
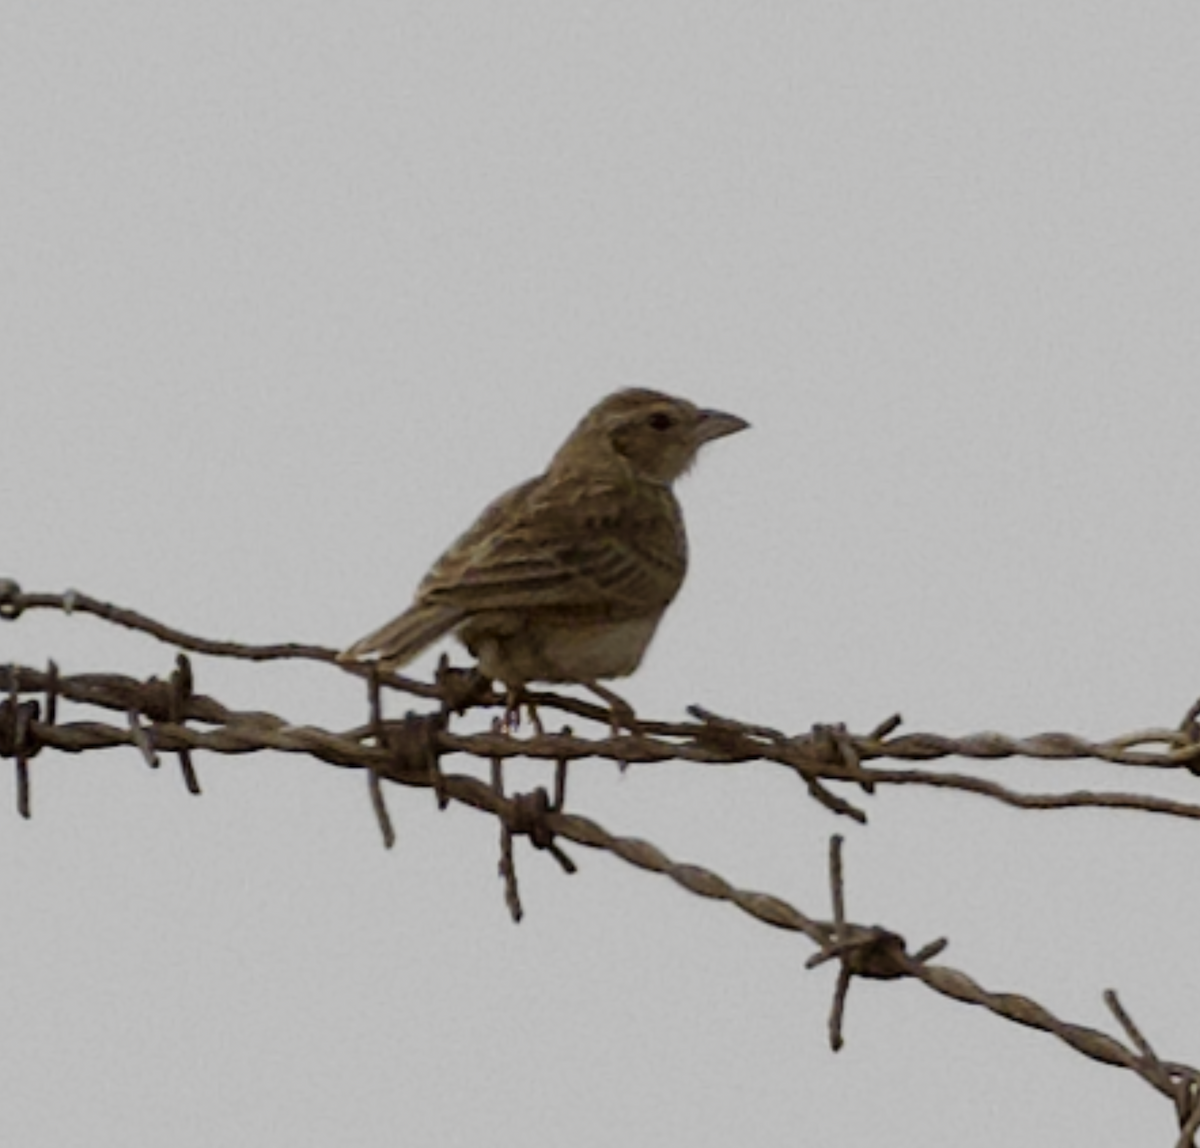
(565, 577)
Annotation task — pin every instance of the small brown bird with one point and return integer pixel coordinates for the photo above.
(565, 578)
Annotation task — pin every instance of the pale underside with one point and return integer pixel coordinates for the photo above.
(516, 650)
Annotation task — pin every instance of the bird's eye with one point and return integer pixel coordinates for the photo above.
(661, 422)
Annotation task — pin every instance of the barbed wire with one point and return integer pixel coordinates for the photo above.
(160, 716)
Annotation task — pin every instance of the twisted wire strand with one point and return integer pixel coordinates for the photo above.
(1178, 747)
(237, 731)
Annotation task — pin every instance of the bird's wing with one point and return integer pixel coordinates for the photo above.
(397, 642)
(572, 544)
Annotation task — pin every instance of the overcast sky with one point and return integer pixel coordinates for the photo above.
(291, 290)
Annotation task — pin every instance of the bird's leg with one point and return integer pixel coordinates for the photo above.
(622, 716)
(513, 698)
(534, 718)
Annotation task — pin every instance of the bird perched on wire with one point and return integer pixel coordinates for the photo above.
(566, 577)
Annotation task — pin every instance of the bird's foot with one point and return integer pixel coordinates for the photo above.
(514, 698)
(621, 715)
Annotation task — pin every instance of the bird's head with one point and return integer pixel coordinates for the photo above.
(656, 435)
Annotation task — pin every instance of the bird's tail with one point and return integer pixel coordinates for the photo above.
(403, 638)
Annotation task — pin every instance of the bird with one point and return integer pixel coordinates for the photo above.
(565, 578)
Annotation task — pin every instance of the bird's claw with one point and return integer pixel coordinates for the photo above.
(511, 721)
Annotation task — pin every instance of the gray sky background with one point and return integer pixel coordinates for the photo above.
(291, 290)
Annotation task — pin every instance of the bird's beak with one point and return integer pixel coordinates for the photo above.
(717, 424)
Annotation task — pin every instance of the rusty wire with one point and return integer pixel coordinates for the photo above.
(818, 760)
(160, 716)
